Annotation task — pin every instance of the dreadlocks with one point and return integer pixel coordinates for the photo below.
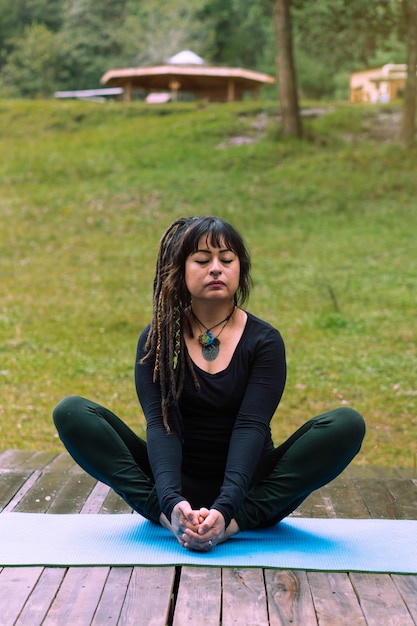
(171, 299)
(165, 340)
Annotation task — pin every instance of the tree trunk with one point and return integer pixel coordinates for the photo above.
(287, 83)
(408, 121)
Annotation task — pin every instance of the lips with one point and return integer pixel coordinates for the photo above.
(216, 283)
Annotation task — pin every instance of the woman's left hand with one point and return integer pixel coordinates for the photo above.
(210, 532)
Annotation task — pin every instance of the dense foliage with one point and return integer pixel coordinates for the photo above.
(47, 45)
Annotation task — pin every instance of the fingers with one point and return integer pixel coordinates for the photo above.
(183, 515)
(202, 514)
(191, 517)
(199, 530)
(208, 534)
(213, 521)
(183, 518)
(193, 541)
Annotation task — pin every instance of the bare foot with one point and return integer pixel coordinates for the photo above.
(232, 529)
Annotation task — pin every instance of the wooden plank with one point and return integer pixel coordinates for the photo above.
(40, 460)
(289, 598)
(63, 464)
(95, 500)
(41, 598)
(404, 493)
(25, 459)
(72, 494)
(11, 482)
(16, 584)
(380, 600)
(113, 503)
(21, 494)
(346, 500)
(244, 597)
(38, 499)
(56, 493)
(77, 597)
(335, 600)
(113, 597)
(313, 506)
(15, 459)
(378, 500)
(407, 473)
(355, 470)
(407, 586)
(149, 597)
(395, 473)
(199, 597)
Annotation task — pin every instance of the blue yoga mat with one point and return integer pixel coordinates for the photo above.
(388, 546)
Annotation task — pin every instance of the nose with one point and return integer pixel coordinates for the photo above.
(215, 267)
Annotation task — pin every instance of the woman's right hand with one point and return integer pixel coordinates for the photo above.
(182, 518)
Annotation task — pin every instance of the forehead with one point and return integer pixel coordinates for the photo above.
(209, 242)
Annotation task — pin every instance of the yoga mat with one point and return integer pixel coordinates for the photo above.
(296, 543)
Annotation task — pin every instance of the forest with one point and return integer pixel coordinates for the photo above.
(49, 45)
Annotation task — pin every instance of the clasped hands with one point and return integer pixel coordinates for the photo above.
(200, 529)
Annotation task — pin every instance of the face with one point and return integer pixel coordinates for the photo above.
(212, 273)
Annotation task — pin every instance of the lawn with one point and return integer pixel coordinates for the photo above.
(331, 222)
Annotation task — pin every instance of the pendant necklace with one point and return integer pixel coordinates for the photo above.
(210, 345)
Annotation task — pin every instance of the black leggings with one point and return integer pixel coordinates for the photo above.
(111, 452)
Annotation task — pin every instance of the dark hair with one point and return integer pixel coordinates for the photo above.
(171, 298)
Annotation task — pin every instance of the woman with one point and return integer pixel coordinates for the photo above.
(209, 376)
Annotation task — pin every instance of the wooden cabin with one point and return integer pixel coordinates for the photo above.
(380, 84)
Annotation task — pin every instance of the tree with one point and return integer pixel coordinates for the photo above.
(155, 31)
(9, 23)
(92, 37)
(232, 25)
(47, 12)
(332, 39)
(287, 82)
(408, 122)
(32, 69)
(16, 15)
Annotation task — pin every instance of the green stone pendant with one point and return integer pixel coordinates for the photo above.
(211, 351)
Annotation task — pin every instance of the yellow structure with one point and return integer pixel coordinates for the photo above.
(381, 84)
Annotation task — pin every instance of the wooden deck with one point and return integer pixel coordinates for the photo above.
(179, 596)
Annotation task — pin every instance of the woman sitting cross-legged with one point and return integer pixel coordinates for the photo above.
(209, 376)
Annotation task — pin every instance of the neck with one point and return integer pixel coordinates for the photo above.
(210, 314)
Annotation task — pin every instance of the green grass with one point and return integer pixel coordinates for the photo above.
(87, 190)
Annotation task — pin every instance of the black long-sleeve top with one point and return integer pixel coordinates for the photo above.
(220, 431)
